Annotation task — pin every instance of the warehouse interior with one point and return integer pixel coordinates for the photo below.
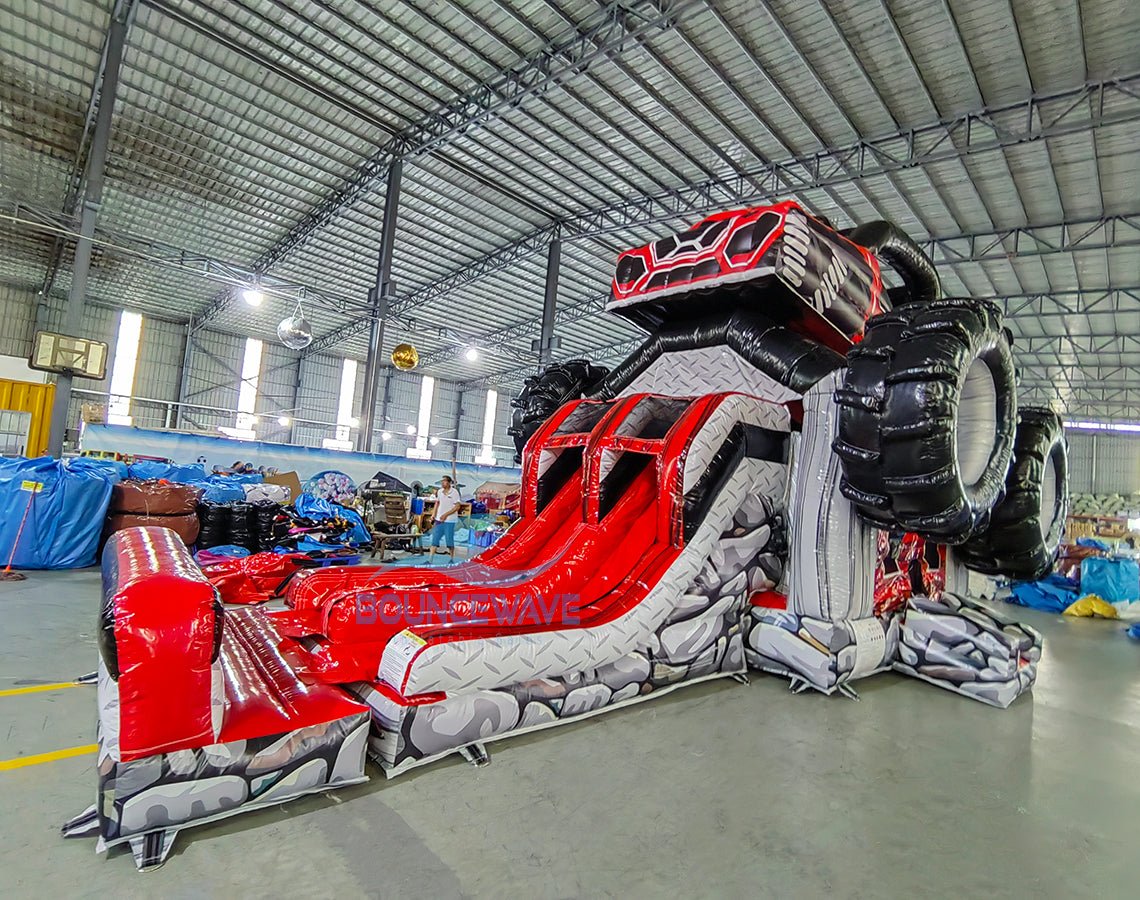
(322, 264)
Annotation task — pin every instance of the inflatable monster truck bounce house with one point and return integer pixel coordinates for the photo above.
(791, 474)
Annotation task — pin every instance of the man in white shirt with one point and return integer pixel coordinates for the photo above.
(446, 512)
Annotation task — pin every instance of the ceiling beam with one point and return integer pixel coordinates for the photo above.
(1068, 302)
(1039, 117)
(607, 32)
(232, 275)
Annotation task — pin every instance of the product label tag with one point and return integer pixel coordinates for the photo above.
(33, 487)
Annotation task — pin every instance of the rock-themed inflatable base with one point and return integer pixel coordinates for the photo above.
(960, 645)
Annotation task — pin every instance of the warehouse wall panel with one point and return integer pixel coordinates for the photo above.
(215, 370)
(1104, 463)
(276, 390)
(158, 372)
(471, 424)
(317, 399)
(17, 318)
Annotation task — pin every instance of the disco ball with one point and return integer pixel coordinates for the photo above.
(295, 332)
(405, 357)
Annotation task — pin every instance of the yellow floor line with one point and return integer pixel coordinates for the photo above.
(20, 761)
(37, 688)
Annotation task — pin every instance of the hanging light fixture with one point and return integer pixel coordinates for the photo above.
(294, 331)
(253, 296)
(434, 441)
(472, 354)
(284, 421)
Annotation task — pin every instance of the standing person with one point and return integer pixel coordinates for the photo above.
(446, 512)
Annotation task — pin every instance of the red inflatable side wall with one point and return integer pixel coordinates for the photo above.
(159, 635)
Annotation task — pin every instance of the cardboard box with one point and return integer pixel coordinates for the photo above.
(288, 480)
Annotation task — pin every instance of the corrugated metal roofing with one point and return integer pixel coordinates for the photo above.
(237, 119)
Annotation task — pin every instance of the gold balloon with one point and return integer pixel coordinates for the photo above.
(405, 357)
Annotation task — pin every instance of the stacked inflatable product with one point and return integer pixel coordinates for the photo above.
(65, 505)
(161, 503)
(255, 525)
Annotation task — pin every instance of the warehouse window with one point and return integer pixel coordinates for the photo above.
(247, 390)
(423, 419)
(123, 369)
(345, 420)
(486, 455)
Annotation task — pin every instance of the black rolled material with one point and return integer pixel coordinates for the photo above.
(927, 412)
(788, 358)
(543, 393)
(1024, 531)
(904, 255)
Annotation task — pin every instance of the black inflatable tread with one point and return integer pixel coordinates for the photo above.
(906, 483)
(854, 400)
(920, 429)
(865, 498)
(930, 372)
(862, 352)
(855, 454)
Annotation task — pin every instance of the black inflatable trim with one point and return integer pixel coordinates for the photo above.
(788, 358)
(1012, 544)
(898, 418)
(905, 256)
(543, 393)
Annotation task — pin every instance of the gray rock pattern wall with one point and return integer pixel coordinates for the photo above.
(701, 637)
(958, 644)
(156, 796)
(824, 654)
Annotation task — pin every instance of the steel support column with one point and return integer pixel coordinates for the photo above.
(184, 374)
(546, 340)
(92, 198)
(381, 297)
(458, 423)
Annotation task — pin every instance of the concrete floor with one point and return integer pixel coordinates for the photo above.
(719, 789)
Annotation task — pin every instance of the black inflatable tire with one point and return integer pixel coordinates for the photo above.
(1013, 544)
(543, 393)
(904, 435)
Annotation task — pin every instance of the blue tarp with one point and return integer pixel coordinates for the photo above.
(65, 518)
(1114, 580)
(249, 478)
(318, 509)
(1094, 543)
(1053, 593)
(146, 469)
(219, 492)
(119, 468)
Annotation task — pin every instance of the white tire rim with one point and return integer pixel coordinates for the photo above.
(977, 426)
(1048, 497)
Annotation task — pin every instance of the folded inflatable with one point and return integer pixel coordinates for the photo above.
(68, 503)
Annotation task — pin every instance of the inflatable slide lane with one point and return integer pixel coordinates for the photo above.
(201, 712)
(648, 522)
